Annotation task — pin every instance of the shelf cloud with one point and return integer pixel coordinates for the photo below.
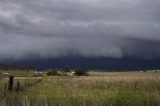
(89, 28)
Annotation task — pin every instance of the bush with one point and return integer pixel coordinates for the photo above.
(67, 69)
(81, 72)
(52, 73)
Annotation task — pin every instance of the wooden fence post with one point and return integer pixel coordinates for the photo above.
(18, 86)
(135, 84)
(5, 86)
(10, 83)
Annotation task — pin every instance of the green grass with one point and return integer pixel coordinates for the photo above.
(98, 89)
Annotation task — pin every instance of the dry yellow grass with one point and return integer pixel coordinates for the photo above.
(97, 89)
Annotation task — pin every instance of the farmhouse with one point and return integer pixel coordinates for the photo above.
(37, 74)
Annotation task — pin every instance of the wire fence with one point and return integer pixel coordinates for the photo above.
(8, 85)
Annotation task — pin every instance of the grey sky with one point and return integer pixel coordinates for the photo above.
(54, 28)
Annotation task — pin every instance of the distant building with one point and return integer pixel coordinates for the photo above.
(37, 74)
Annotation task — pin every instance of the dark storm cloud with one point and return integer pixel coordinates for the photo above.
(53, 28)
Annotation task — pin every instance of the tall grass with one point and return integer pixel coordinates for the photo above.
(108, 89)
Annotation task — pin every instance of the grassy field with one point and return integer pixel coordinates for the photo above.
(97, 89)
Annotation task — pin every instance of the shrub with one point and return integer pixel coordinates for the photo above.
(81, 72)
(67, 69)
(52, 73)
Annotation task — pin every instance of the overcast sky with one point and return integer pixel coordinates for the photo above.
(91, 28)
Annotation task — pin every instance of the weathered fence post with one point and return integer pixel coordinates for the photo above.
(25, 83)
(10, 83)
(5, 89)
(18, 86)
(135, 84)
(5, 86)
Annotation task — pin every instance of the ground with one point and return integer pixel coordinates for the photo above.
(97, 89)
